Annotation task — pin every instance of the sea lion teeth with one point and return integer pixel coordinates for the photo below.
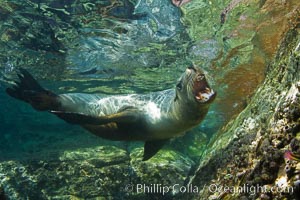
(199, 97)
(154, 118)
(207, 90)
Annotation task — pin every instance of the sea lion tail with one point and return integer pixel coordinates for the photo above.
(30, 91)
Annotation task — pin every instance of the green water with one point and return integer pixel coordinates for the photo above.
(129, 46)
(94, 47)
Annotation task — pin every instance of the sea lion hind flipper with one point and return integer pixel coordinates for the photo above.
(125, 116)
(30, 91)
(152, 147)
(28, 81)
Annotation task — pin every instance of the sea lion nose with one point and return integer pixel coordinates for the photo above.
(192, 68)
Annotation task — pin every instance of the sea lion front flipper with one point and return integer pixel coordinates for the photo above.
(126, 116)
(152, 147)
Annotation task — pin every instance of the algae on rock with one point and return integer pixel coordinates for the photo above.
(251, 147)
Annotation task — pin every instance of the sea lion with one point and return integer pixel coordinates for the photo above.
(154, 118)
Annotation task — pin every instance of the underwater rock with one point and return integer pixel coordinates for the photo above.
(109, 155)
(85, 173)
(167, 167)
(255, 141)
(98, 172)
(192, 144)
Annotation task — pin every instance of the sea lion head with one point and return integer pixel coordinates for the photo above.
(193, 87)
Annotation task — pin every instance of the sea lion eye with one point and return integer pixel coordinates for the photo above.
(200, 77)
(179, 86)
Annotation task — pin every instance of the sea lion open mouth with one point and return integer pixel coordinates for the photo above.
(201, 90)
(205, 96)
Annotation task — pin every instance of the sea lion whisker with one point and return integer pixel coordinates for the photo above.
(190, 79)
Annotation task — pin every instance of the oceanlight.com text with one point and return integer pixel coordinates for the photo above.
(213, 188)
